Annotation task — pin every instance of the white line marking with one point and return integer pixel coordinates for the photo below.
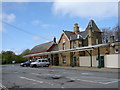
(112, 82)
(86, 73)
(42, 74)
(95, 81)
(2, 86)
(31, 79)
(99, 78)
(36, 81)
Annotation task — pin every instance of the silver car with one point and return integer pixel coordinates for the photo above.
(40, 62)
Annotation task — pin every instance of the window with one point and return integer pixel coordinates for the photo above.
(64, 59)
(39, 60)
(63, 46)
(96, 41)
(74, 44)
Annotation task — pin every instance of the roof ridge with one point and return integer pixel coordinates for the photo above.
(44, 43)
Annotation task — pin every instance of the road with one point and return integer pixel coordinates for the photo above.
(14, 76)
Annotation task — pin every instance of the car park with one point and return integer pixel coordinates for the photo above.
(40, 63)
(25, 64)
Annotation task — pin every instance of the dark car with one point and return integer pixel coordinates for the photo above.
(26, 64)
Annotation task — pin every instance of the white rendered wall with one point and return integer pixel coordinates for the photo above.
(85, 61)
(112, 61)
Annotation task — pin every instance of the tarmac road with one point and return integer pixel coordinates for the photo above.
(14, 76)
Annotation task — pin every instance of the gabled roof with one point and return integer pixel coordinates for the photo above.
(83, 35)
(93, 26)
(42, 47)
(69, 33)
(55, 48)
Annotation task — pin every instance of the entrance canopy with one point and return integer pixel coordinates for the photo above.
(68, 50)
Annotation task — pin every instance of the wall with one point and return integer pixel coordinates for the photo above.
(67, 54)
(85, 61)
(112, 61)
(67, 43)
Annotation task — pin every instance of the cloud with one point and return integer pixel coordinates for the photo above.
(36, 38)
(36, 22)
(86, 9)
(81, 29)
(43, 25)
(48, 25)
(9, 18)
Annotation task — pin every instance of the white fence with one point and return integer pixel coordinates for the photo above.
(110, 61)
(85, 61)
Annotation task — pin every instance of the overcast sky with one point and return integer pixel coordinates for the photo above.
(33, 23)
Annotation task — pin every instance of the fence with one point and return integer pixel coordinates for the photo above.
(110, 61)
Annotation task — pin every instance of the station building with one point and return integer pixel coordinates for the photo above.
(79, 48)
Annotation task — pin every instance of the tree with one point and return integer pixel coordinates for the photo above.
(107, 32)
(117, 33)
(9, 56)
(25, 52)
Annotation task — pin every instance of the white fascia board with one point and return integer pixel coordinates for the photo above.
(69, 50)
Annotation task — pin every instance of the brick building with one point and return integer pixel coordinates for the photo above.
(76, 48)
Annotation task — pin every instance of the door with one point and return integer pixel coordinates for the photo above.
(102, 61)
(56, 61)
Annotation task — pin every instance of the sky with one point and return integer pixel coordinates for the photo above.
(27, 24)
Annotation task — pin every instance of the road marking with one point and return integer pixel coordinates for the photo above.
(86, 73)
(36, 81)
(94, 81)
(31, 79)
(2, 86)
(112, 82)
(41, 74)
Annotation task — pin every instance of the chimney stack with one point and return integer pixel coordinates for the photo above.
(90, 37)
(54, 40)
(76, 28)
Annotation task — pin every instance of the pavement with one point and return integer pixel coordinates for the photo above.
(14, 76)
(90, 68)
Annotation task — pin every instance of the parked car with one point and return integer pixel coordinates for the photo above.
(40, 62)
(25, 64)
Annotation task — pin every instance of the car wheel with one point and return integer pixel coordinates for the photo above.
(34, 65)
(25, 65)
(47, 65)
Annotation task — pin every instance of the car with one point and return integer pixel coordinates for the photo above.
(40, 63)
(25, 64)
